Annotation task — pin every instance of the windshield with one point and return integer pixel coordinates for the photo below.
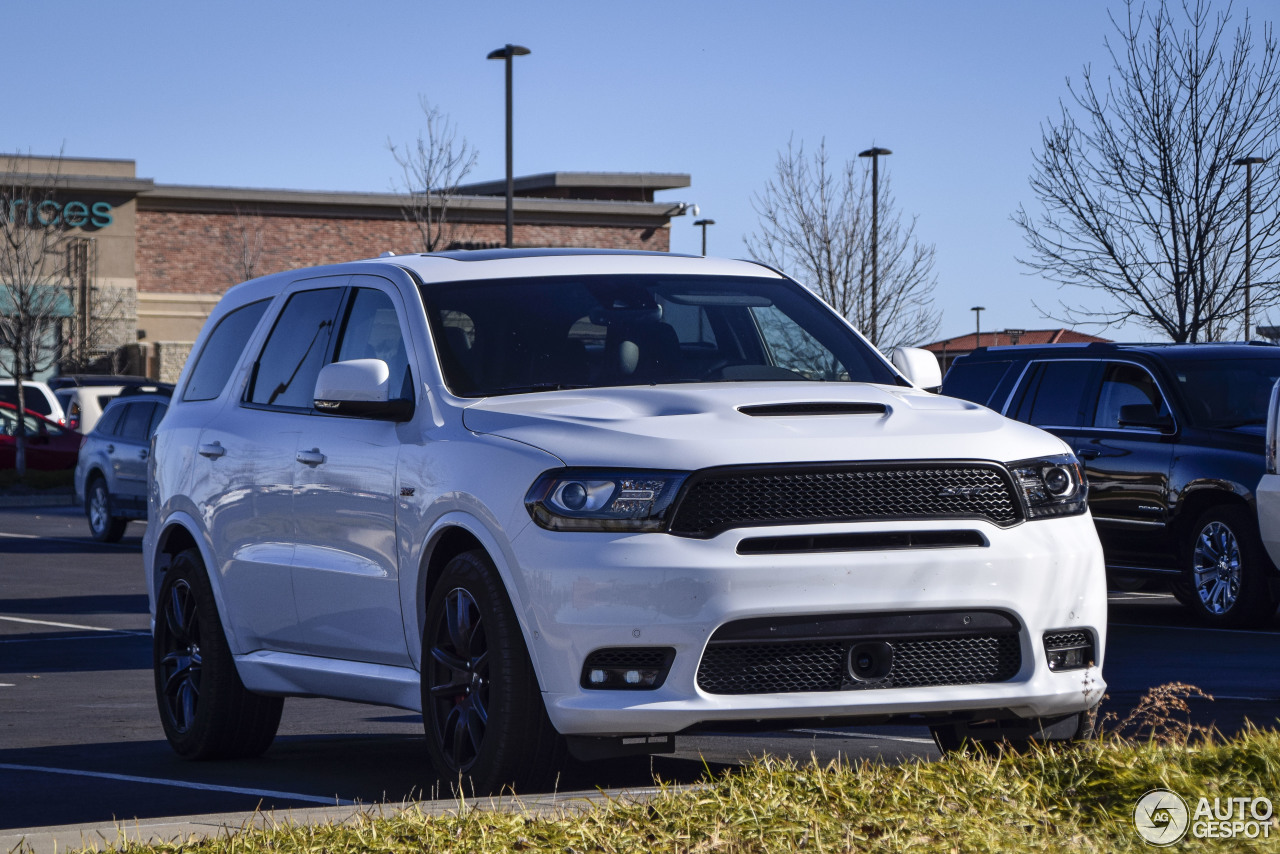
(1227, 393)
(519, 335)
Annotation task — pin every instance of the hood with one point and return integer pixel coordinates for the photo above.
(688, 427)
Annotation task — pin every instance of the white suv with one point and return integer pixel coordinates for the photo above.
(587, 500)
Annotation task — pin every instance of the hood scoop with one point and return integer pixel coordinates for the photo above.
(817, 407)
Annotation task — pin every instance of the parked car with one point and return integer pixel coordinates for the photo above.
(1171, 438)
(84, 404)
(39, 398)
(49, 446)
(586, 500)
(87, 380)
(111, 475)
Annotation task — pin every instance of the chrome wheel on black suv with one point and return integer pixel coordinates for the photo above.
(1226, 581)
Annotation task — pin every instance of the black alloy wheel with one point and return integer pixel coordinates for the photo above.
(205, 710)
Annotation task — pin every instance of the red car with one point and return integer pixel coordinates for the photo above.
(49, 447)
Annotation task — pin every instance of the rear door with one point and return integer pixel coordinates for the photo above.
(127, 453)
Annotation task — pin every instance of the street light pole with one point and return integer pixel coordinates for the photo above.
(874, 153)
(977, 325)
(1248, 163)
(704, 223)
(506, 53)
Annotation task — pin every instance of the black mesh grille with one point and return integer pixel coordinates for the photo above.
(641, 657)
(777, 668)
(1067, 640)
(717, 500)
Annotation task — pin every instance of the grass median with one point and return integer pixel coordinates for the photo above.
(1077, 797)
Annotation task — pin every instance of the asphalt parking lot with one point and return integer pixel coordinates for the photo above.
(80, 741)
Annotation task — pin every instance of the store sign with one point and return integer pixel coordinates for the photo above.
(74, 214)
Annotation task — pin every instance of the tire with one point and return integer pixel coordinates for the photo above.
(486, 725)
(1226, 569)
(104, 527)
(206, 711)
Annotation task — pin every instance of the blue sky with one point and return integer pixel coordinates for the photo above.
(304, 95)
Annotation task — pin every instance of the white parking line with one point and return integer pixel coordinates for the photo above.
(32, 622)
(182, 784)
(870, 735)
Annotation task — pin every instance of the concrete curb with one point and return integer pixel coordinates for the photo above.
(106, 837)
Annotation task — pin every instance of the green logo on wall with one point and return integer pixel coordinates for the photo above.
(75, 214)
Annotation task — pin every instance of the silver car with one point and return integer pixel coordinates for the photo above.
(111, 475)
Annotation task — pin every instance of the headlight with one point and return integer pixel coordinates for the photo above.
(597, 500)
(1053, 486)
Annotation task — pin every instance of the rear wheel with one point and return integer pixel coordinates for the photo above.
(486, 725)
(206, 711)
(1225, 581)
(104, 527)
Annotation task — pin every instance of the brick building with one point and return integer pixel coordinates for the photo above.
(162, 254)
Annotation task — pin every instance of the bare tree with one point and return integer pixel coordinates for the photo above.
(51, 314)
(1143, 200)
(244, 239)
(432, 169)
(815, 224)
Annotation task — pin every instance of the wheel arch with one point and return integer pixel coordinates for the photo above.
(1196, 501)
(179, 533)
(452, 535)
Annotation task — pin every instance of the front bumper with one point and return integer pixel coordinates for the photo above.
(584, 592)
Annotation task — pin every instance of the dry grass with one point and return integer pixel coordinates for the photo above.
(1059, 798)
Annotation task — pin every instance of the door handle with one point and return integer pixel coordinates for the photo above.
(142, 455)
(212, 451)
(111, 449)
(312, 457)
(1088, 453)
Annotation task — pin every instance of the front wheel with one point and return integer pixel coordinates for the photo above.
(205, 710)
(1225, 581)
(104, 527)
(486, 725)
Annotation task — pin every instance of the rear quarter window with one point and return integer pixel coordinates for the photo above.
(975, 381)
(222, 351)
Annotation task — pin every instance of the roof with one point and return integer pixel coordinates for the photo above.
(1185, 352)
(1004, 337)
(458, 265)
(614, 186)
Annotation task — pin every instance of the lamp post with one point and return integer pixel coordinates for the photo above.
(977, 325)
(506, 53)
(1248, 163)
(704, 223)
(875, 153)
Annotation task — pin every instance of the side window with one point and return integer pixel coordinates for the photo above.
(1054, 394)
(156, 417)
(975, 381)
(222, 351)
(285, 374)
(372, 331)
(1125, 385)
(135, 421)
(109, 421)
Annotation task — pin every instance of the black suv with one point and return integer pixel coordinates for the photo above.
(1171, 437)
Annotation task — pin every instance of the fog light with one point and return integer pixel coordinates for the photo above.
(1069, 650)
(627, 668)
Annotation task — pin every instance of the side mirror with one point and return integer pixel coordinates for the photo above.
(360, 388)
(919, 366)
(1144, 415)
(1273, 425)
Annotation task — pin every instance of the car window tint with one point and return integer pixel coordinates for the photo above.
(106, 425)
(1055, 394)
(295, 350)
(135, 421)
(1125, 385)
(156, 417)
(372, 331)
(35, 399)
(976, 381)
(222, 351)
